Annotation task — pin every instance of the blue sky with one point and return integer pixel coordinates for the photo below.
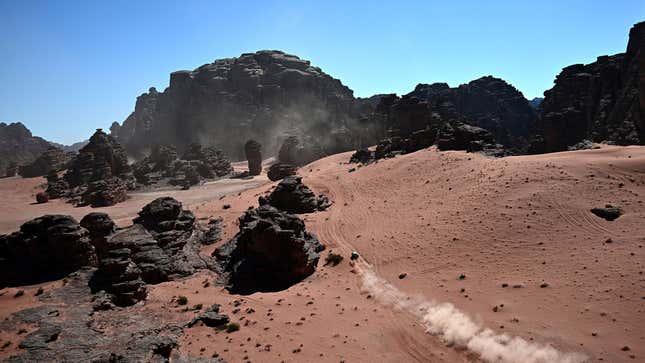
(68, 67)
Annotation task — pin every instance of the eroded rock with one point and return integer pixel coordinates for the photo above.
(271, 252)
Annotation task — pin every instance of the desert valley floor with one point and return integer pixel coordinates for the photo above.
(510, 242)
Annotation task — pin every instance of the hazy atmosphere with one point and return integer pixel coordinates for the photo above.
(82, 64)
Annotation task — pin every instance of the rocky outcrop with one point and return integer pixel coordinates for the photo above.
(163, 167)
(45, 248)
(53, 159)
(600, 101)
(100, 226)
(364, 156)
(255, 96)
(162, 245)
(18, 146)
(292, 196)
(469, 138)
(279, 171)
(253, 151)
(98, 176)
(271, 252)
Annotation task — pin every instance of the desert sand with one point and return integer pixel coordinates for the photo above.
(509, 243)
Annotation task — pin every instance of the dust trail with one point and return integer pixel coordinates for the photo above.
(455, 327)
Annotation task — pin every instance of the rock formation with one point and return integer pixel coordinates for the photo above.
(53, 159)
(279, 171)
(162, 166)
(162, 244)
(45, 248)
(253, 151)
(600, 101)
(255, 96)
(271, 252)
(18, 146)
(292, 196)
(98, 176)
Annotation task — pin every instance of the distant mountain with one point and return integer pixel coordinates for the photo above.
(18, 146)
(75, 147)
(536, 102)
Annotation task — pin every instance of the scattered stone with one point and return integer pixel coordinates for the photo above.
(402, 275)
(211, 318)
(354, 256)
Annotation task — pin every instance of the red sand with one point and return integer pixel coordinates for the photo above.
(435, 216)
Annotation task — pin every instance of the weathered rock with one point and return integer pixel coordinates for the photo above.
(42, 197)
(100, 226)
(211, 318)
(11, 169)
(292, 196)
(214, 232)
(609, 212)
(53, 159)
(600, 101)
(45, 248)
(105, 192)
(162, 244)
(212, 161)
(279, 171)
(466, 137)
(98, 176)
(253, 151)
(363, 156)
(255, 96)
(271, 252)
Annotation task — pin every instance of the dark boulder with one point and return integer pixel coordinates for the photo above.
(363, 156)
(253, 151)
(466, 137)
(280, 171)
(609, 212)
(42, 197)
(45, 248)
(292, 196)
(271, 252)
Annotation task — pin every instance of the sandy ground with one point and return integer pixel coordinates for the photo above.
(19, 197)
(521, 222)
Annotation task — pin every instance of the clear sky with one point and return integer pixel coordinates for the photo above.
(68, 67)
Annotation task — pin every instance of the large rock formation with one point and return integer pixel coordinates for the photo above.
(98, 176)
(162, 244)
(279, 171)
(271, 252)
(256, 96)
(18, 146)
(292, 196)
(253, 151)
(600, 101)
(45, 248)
(53, 159)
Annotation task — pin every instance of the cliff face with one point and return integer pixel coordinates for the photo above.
(263, 96)
(600, 101)
(488, 102)
(18, 146)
